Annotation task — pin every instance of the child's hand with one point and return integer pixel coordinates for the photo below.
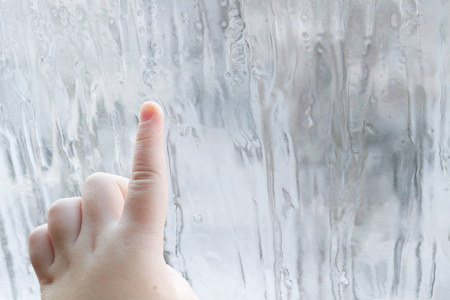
(108, 244)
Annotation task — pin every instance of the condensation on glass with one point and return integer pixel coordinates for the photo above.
(307, 141)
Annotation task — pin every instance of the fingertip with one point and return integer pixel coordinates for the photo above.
(149, 110)
(41, 251)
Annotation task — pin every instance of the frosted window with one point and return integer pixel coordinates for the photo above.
(307, 142)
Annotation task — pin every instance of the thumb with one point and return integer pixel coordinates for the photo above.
(145, 205)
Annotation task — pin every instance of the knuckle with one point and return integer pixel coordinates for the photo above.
(95, 183)
(60, 207)
(145, 176)
(36, 234)
(95, 179)
(57, 206)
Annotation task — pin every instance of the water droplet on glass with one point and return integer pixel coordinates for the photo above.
(305, 35)
(199, 25)
(370, 128)
(395, 20)
(78, 65)
(308, 122)
(150, 76)
(343, 278)
(80, 14)
(305, 18)
(151, 63)
(355, 147)
(63, 13)
(223, 2)
(72, 20)
(373, 99)
(184, 16)
(198, 218)
(224, 24)
(94, 89)
(234, 12)
(153, 9)
(238, 80)
(288, 283)
(319, 49)
(140, 12)
(421, 20)
(111, 20)
(177, 60)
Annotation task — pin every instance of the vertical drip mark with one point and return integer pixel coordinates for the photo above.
(418, 270)
(275, 222)
(206, 35)
(398, 251)
(8, 257)
(171, 154)
(444, 111)
(241, 265)
(179, 230)
(261, 255)
(432, 272)
(265, 95)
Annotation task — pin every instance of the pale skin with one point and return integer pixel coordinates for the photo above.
(108, 243)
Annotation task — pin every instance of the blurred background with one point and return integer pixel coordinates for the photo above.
(308, 142)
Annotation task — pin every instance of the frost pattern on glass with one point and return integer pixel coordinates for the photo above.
(308, 141)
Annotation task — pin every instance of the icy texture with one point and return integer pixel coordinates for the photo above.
(308, 142)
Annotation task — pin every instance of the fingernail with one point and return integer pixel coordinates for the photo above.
(147, 112)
